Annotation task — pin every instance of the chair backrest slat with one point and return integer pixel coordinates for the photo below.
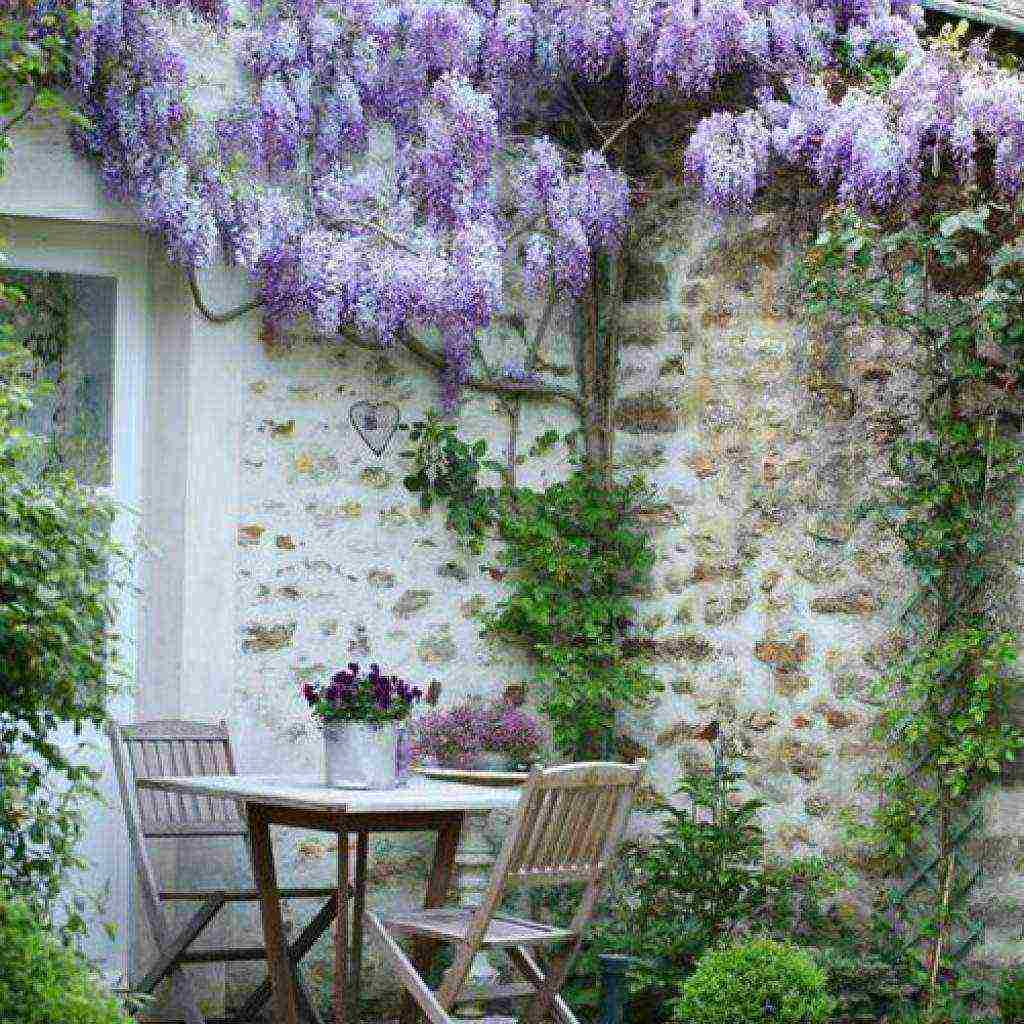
(564, 822)
(183, 749)
(566, 829)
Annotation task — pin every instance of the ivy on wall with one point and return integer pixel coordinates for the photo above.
(576, 561)
(573, 559)
(947, 285)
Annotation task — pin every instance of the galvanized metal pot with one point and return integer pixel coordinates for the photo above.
(359, 755)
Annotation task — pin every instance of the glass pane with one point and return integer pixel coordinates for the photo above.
(67, 322)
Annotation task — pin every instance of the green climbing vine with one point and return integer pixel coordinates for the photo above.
(945, 289)
(573, 558)
(445, 468)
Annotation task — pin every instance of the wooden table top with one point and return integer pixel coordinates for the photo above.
(417, 795)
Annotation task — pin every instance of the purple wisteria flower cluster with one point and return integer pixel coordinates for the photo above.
(518, 373)
(357, 176)
(873, 149)
(455, 737)
(354, 696)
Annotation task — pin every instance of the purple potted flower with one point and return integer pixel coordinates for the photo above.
(362, 715)
(492, 735)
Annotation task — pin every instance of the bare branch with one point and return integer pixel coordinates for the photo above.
(219, 318)
(507, 388)
(378, 230)
(583, 108)
(527, 229)
(624, 127)
(545, 322)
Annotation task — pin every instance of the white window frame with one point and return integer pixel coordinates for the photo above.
(122, 254)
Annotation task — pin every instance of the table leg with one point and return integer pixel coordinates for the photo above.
(270, 910)
(358, 915)
(438, 884)
(340, 990)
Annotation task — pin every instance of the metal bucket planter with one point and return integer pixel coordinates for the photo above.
(359, 755)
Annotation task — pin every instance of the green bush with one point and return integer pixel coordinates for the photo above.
(700, 881)
(43, 981)
(1011, 998)
(60, 579)
(756, 981)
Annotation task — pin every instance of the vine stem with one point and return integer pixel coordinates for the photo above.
(613, 349)
(382, 233)
(622, 129)
(423, 352)
(508, 388)
(219, 318)
(593, 434)
(943, 930)
(574, 92)
(514, 412)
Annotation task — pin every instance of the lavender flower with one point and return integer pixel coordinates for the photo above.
(728, 157)
(420, 248)
(456, 736)
(515, 371)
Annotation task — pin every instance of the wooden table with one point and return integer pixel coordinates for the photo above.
(422, 806)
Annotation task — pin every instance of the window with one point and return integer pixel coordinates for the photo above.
(67, 322)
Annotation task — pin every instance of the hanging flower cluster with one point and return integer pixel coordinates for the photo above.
(357, 175)
(942, 111)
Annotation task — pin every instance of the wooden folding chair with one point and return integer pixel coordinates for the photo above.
(567, 829)
(162, 748)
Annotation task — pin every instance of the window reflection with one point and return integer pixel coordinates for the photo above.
(67, 322)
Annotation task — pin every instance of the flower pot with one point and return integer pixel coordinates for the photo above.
(359, 755)
(492, 761)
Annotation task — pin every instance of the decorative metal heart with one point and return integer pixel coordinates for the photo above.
(376, 423)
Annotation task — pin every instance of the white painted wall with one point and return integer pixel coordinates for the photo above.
(177, 409)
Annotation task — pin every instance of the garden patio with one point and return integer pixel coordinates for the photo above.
(457, 452)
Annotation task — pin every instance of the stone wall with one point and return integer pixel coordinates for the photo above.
(771, 608)
(336, 562)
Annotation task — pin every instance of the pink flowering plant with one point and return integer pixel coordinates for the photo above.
(455, 737)
(355, 696)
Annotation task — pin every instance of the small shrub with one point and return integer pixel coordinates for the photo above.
(760, 980)
(1011, 998)
(700, 881)
(43, 981)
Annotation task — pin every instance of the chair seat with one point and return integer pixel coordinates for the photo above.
(453, 925)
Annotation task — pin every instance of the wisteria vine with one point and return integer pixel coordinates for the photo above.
(360, 173)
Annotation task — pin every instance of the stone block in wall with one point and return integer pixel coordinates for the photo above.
(853, 601)
(655, 411)
(646, 279)
(643, 324)
(411, 602)
(259, 638)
